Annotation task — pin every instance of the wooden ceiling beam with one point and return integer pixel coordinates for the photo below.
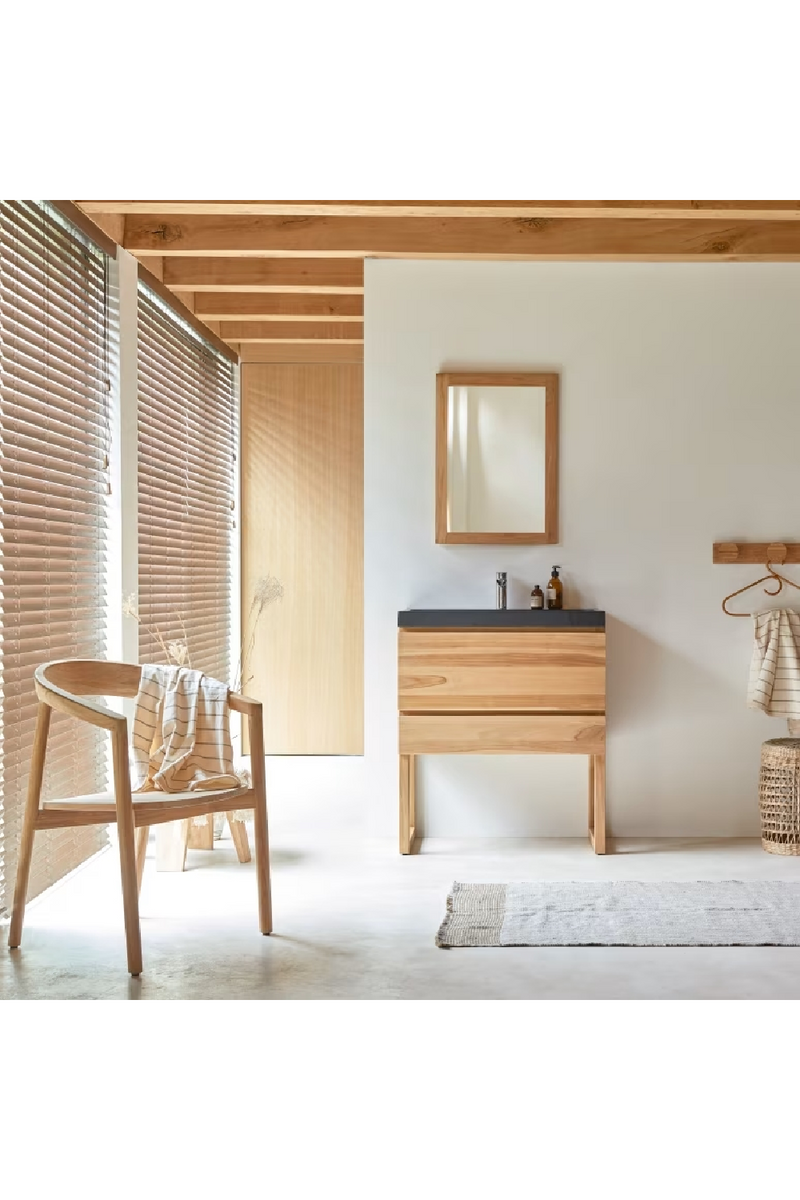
(746, 210)
(466, 237)
(290, 331)
(284, 352)
(308, 276)
(254, 306)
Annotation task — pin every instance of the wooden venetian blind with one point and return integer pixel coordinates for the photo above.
(54, 425)
(187, 446)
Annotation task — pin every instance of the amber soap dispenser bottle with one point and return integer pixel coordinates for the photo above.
(555, 591)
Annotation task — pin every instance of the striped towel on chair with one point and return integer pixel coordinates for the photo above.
(775, 667)
(181, 735)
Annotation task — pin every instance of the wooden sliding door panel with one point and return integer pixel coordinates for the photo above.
(303, 522)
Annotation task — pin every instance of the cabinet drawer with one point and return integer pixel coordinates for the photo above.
(502, 735)
(476, 670)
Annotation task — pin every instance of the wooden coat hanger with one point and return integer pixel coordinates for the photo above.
(773, 574)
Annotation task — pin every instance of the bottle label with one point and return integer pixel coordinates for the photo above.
(537, 601)
(551, 593)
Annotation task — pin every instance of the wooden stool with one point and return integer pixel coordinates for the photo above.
(174, 838)
(779, 795)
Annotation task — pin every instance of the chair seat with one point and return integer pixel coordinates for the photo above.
(105, 800)
(149, 808)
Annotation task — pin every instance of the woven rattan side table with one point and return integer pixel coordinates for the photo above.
(779, 795)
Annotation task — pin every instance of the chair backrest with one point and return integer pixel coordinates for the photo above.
(90, 677)
(61, 682)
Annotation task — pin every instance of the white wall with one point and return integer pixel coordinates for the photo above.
(680, 426)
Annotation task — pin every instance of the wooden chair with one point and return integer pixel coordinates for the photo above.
(63, 685)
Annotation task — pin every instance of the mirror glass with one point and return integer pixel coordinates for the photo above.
(495, 459)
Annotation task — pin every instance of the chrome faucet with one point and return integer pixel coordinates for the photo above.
(501, 589)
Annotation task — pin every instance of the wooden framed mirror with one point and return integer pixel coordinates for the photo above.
(496, 458)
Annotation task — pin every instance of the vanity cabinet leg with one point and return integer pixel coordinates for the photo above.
(597, 802)
(408, 804)
(591, 798)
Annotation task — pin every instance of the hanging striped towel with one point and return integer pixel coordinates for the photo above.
(775, 667)
(181, 735)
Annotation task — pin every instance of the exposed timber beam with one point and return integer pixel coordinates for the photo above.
(253, 306)
(743, 210)
(466, 237)
(287, 352)
(290, 331)
(327, 276)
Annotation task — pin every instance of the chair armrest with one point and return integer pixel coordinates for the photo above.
(244, 704)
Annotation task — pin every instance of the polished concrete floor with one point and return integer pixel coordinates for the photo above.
(354, 920)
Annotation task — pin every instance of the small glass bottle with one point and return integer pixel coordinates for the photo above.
(555, 591)
(537, 597)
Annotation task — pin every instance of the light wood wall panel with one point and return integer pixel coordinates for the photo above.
(303, 521)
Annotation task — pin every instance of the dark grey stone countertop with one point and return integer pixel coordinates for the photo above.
(502, 618)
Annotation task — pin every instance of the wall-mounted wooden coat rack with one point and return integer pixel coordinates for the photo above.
(757, 552)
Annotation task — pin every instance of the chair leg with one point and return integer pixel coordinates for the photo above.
(127, 848)
(29, 824)
(239, 834)
(201, 837)
(258, 768)
(172, 840)
(142, 834)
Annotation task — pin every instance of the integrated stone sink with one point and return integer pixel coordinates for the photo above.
(501, 618)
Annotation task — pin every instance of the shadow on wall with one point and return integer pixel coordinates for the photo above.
(643, 675)
(672, 727)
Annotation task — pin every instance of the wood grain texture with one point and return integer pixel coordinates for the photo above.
(481, 670)
(534, 238)
(278, 306)
(591, 799)
(757, 552)
(239, 837)
(292, 331)
(302, 521)
(175, 806)
(492, 733)
(547, 380)
(172, 842)
(441, 483)
(260, 821)
(29, 824)
(408, 817)
(107, 230)
(751, 210)
(142, 836)
(126, 838)
(299, 352)
(597, 827)
(201, 837)
(304, 275)
(206, 329)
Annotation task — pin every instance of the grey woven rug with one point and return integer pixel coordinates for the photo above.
(730, 913)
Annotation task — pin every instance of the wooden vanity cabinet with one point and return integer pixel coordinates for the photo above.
(524, 690)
